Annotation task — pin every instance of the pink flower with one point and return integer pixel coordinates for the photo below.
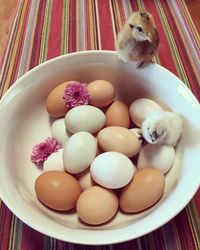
(76, 94)
(43, 150)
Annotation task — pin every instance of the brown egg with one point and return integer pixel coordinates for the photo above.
(120, 140)
(101, 93)
(57, 190)
(145, 189)
(118, 115)
(96, 205)
(55, 104)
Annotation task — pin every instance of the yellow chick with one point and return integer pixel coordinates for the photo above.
(138, 39)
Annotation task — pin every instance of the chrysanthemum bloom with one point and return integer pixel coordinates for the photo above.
(43, 150)
(76, 94)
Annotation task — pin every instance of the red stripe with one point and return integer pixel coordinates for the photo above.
(164, 52)
(55, 31)
(31, 239)
(134, 5)
(5, 227)
(105, 22)
(87, 32)
(38, 35)
(72, 27)
(182, 51)
(184, 231)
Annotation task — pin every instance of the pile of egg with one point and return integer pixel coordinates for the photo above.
(103, 164)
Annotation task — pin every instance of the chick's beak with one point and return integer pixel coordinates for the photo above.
(148, 38)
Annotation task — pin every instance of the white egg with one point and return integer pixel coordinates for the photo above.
(85, 118)
(139, 109)
(156, 156)
(112, 170)
(79, 151)
(54, 161)
(59, 131)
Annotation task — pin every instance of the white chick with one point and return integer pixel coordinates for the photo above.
(162, 127)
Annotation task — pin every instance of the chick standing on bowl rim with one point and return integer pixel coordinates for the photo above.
(138, 40)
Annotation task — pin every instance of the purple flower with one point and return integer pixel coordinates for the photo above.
(76, 94)
(43, 150)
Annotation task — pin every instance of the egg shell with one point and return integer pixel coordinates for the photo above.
(156, 156)
(101, 93)
(96, 205)
(85, 179)
(57, 190)
(54, 161)
(79, 151)
(55, 104)
(59, 131)
(85, 118)
(119, 139)
(112, 170)
(140, 108)
(118, 115)
(145, 189)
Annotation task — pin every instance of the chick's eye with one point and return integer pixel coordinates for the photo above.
(131, 26)
(139, 29)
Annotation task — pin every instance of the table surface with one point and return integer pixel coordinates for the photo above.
(43, 29)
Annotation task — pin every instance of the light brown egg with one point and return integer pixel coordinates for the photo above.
(145, 189)
(85, 179)
(101, 93)
(57, 190)
(118, 115)
(96, 205)
(55, 104)
(140, 108)
(120, 140)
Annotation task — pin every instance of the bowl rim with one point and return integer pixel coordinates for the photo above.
(119, 235)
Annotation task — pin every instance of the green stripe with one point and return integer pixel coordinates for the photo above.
(17, 234)
(45, 32)
(64, 25)
(194, 220)
(174, 50)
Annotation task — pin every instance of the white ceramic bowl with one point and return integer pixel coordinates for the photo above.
(24, 122)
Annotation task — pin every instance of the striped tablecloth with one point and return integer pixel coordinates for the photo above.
(43, 29)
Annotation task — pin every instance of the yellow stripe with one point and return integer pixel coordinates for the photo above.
(172, 44)
(140, 5)
(11, 233)
(91, 24)
(194, 222)
(67, 26)
(15, 47)
(45, 32)
(118, 16)
(95, 25)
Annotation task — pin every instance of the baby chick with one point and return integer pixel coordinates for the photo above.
(138, 39)
(162, 127)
